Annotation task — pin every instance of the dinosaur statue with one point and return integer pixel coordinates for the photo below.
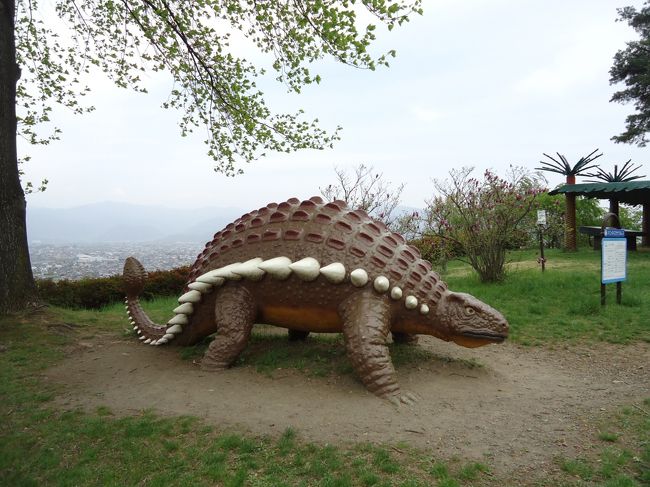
(320, 267)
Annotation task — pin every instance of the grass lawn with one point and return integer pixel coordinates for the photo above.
(41, 445)
(563, 303)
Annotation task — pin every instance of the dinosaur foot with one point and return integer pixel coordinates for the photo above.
(403, 399)
(212, 366)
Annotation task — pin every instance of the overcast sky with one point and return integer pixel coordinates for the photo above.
(483, 83)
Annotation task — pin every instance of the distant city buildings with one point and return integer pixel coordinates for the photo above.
(76, 261)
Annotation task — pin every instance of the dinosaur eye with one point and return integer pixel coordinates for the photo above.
(469, 311)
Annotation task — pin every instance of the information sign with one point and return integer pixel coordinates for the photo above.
(614, 232)
(614, 260)
(541, 217)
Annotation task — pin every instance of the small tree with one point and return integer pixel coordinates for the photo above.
(47, 51)
(367, 190)
(482, 216)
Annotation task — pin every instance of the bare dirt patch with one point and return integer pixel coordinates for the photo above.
(517, 411)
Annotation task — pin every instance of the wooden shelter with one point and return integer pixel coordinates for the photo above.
(629, 192)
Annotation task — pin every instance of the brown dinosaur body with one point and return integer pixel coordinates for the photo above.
(312, 266)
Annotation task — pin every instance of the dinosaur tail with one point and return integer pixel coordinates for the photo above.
(134, 278)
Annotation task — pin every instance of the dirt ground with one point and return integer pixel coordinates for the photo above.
(520, 409)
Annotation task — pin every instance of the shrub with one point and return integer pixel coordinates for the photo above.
(483, 217)
(99, 292)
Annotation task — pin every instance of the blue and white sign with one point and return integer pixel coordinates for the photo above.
(614, 232)
(614, 260)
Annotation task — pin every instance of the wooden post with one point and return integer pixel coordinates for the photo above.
(645, 225)
(541, 248)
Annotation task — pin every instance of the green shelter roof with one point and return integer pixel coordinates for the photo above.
(630, 192)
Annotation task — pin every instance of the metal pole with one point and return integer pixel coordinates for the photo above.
(619, 291)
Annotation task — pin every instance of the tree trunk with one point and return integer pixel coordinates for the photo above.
(17, 288)
(570, 243)
(613, 206)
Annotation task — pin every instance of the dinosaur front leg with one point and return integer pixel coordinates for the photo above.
(366, 323)
(235, 313)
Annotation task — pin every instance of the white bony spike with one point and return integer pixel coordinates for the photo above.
(176, 329)
(381, 284)
(132, 321)
(128, 312)
(139, 332)
(190, 297)
(142, 337)
(411, 302)
(185, 309)
(153, 342)
(162, 341)
(306, 269)
(359, 277)
(226, 272)
(277, 268)
(126, 301)
(178, 320)
(135, 327)
(424, 309)
(396, 293)
(208, 278)
(201, 287)
(250, 270)
(147, 341)
(169, 336)
(334, 273)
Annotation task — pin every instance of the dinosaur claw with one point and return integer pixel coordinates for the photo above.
(407, 400)
(412, 397)
(399, 400)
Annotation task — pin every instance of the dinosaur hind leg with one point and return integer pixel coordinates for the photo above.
(235, 313)
(366, 323)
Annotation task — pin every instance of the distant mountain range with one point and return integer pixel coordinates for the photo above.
(123, 222)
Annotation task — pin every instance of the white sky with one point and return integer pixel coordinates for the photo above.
(483, 83)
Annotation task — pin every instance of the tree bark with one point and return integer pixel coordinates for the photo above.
(17, 288)
(570, 243)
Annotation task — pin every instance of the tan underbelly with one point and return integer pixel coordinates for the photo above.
(318, 320)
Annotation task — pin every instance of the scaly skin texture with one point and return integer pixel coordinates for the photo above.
(315, 267)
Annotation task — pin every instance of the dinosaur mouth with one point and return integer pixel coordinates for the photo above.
(484, 336)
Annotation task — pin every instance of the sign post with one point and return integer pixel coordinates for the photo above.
(541, 221)
(613, 261)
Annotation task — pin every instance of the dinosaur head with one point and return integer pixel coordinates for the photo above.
(470, 322)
